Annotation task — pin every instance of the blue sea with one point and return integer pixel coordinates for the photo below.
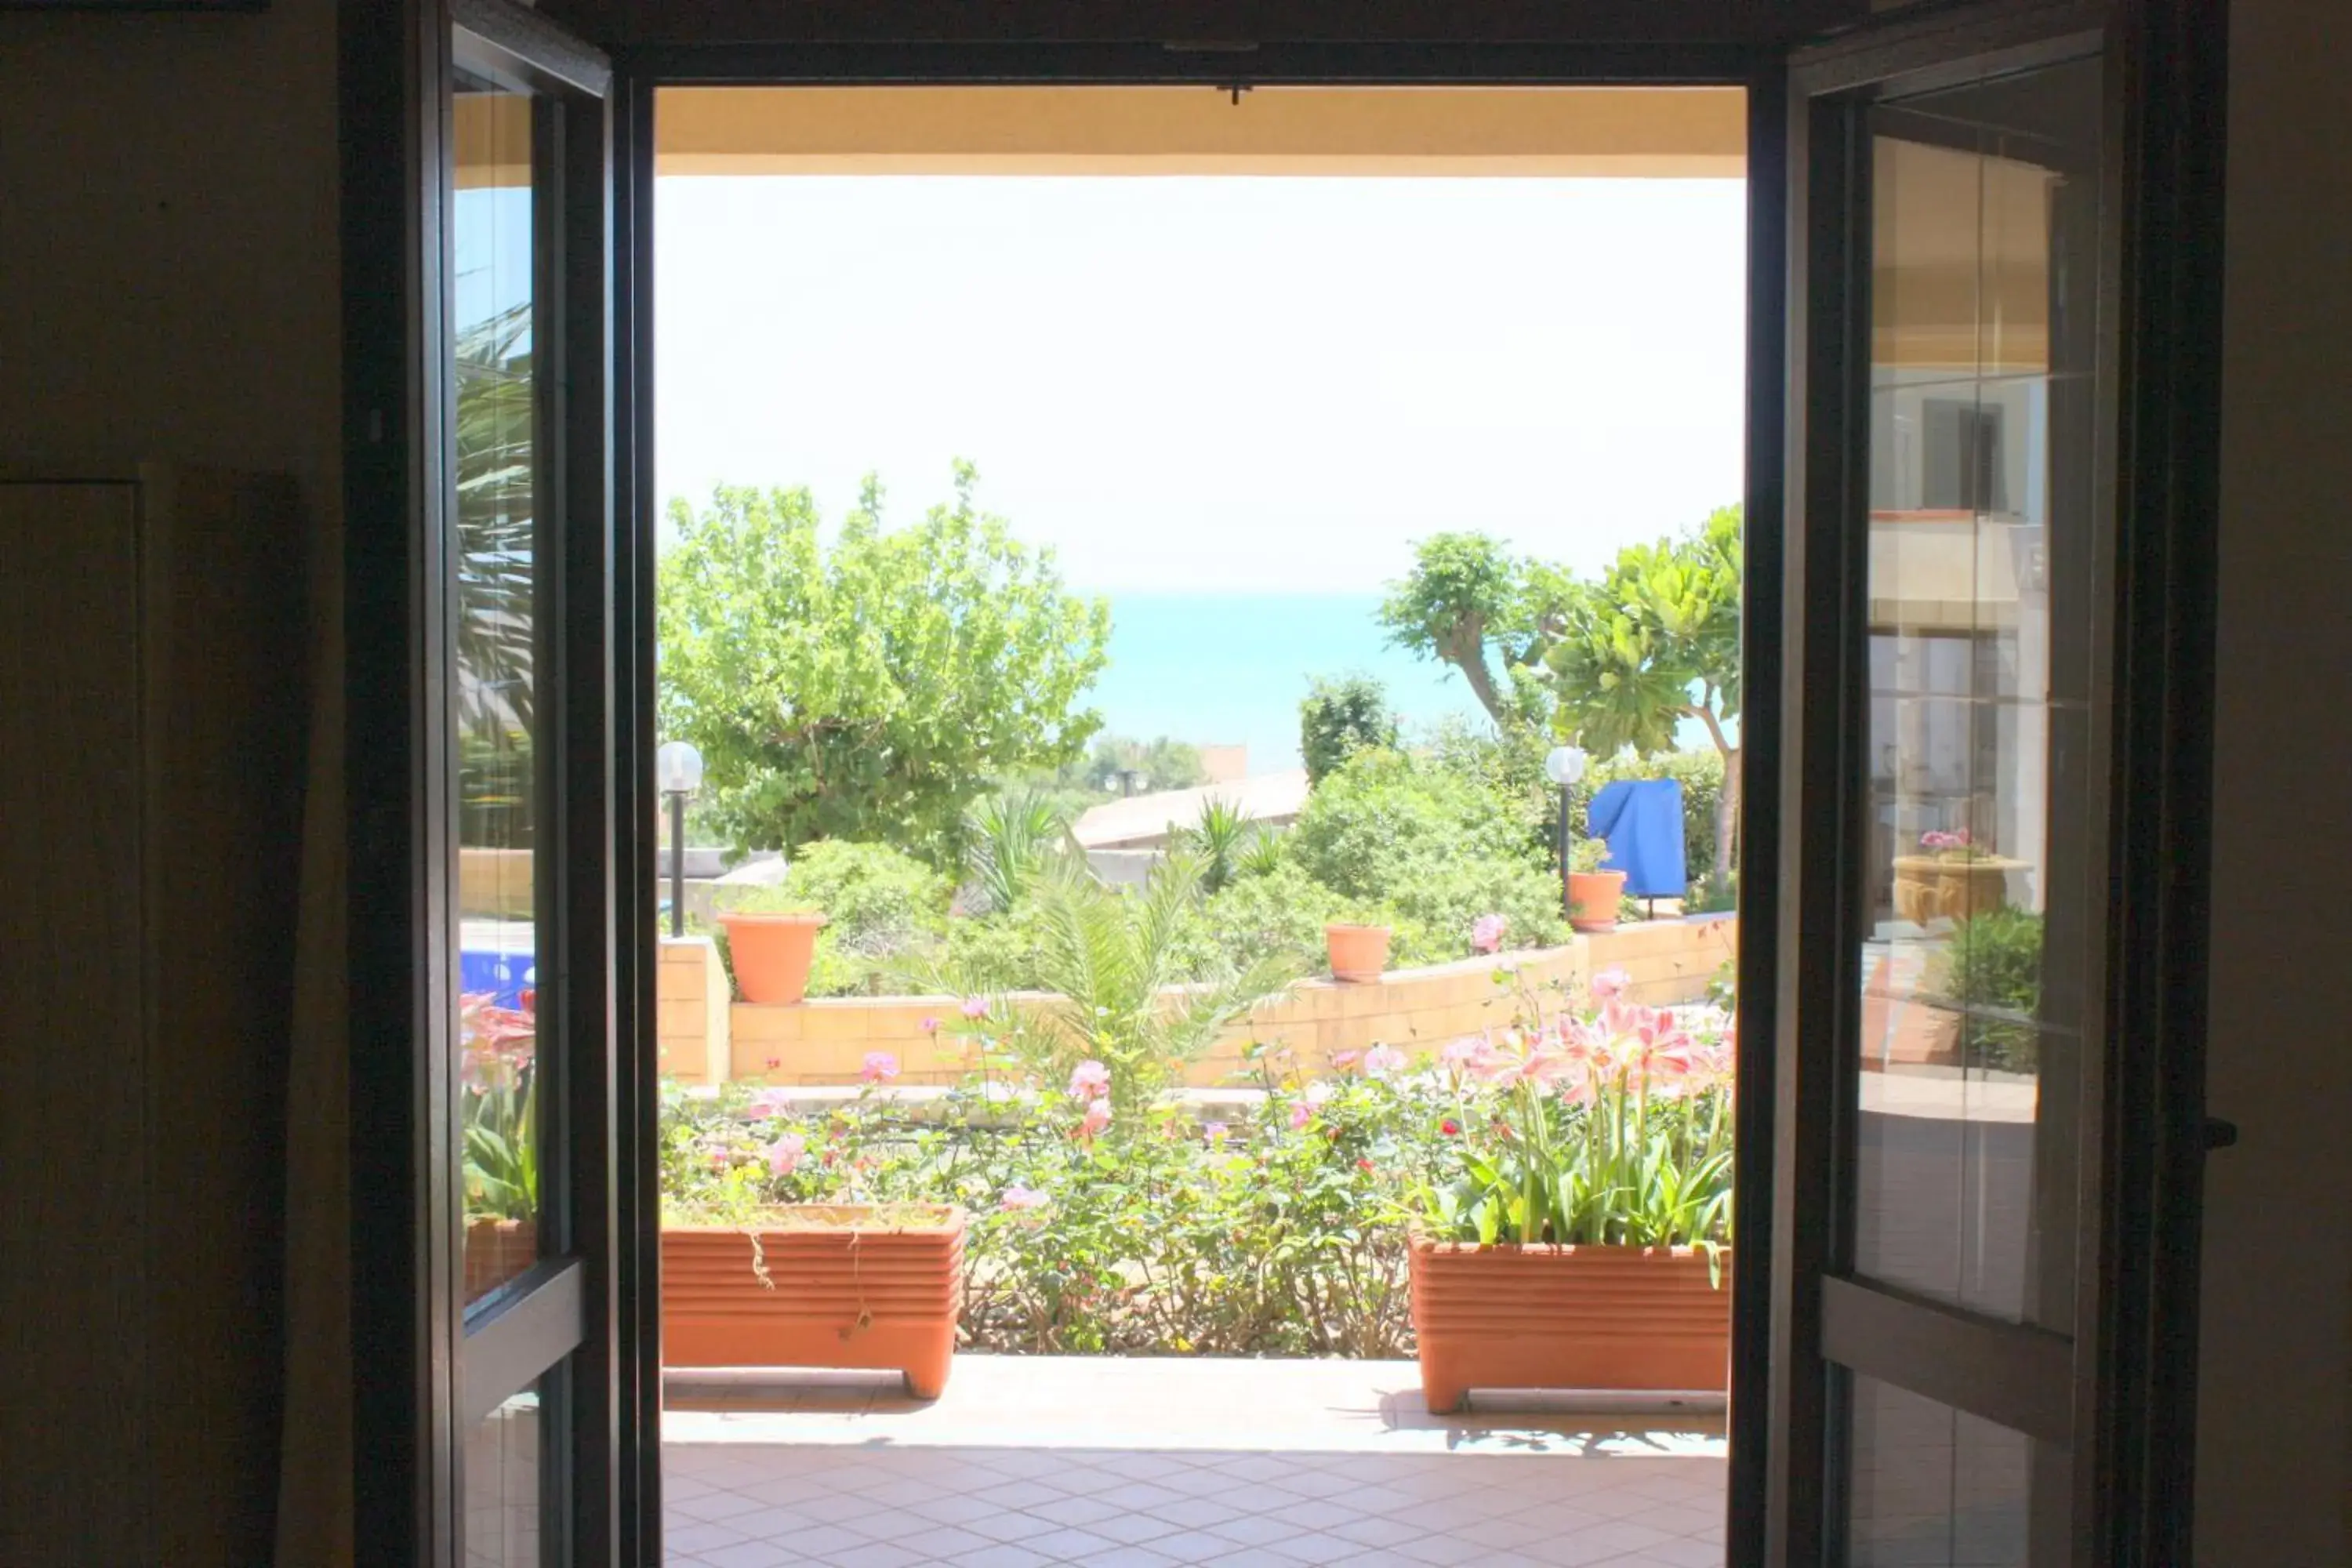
(1222, 668)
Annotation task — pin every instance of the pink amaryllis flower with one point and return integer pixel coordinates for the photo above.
(1383, 1060)
(1098, 1117)
(1089, 1081)
(1486, 932)
(785, 1152)
(975, 1006)
(1610, 985)
(1019, 1199)
(880, 1066)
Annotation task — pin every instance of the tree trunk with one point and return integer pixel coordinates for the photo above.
(1726, 816)
(1464, 648)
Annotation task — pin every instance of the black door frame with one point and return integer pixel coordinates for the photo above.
(2172, 308)
(425, 1366)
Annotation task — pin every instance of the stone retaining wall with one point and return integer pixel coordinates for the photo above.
(827, 1040)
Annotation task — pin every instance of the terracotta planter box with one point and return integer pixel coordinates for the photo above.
(496, 1251)
(1566, 1317)
(843, 1289)
(1927, 889)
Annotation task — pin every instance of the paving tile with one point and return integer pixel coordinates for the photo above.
(1257, 1529)
(1193, 1546)
(1134, 1529)
(1010, 1525)
(1003, 1554)
(701, 1538)
(945, 1541)
(1071, 1545)
(1375, 1532)
(1077, 1511)
(1315, 1546)
(1194, 1512)
(756, 1554)
(875, 1554)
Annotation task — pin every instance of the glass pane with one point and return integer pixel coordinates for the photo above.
(503, 1489)
(1987, 605)
(499, 792)
(1933, 1488)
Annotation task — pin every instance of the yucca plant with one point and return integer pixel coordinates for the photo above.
(1016, 838)
(1220, 840)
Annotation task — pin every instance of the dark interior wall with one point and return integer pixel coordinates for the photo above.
(2275, 1440)
(168, 262)
(170, 290)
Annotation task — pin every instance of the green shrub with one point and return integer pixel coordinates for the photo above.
(1340, 718)
(1990, 966)
(1433, 848)
(879, 904)
(1280, 913)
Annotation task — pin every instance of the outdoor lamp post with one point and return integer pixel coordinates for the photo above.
(1564, 766)
(678, 769)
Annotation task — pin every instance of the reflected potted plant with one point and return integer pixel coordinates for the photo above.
(1952, 877)
(1592, 893)
(498, 1109)
(771, 944)
(1583, 1243)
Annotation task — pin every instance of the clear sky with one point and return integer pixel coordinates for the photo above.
(1215, 384)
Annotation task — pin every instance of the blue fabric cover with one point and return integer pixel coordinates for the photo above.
(1642, 821)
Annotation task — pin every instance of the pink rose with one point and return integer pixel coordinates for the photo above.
(1383, 1060)
(785, 1152)
(1486, 932)
(1021, 1198)
(880, 1066)
(1300, 1115)
(1215, 1131)
(1098, 1117)
(1089, 1081)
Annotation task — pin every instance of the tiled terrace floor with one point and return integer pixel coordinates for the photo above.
(1070, 1460)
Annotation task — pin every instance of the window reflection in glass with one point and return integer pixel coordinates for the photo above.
(494, 688)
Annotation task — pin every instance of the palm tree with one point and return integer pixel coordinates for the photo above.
(497, 559)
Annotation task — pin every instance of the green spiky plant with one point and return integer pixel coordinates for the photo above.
(1117, 963)
(1015, 838)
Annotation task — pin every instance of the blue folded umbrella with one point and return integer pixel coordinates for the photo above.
(1642, 821)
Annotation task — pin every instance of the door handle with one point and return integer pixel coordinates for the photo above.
(2220, 1134)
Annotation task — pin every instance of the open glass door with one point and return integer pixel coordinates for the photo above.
(1961, 1125)
(533, 936)
(497, 1360)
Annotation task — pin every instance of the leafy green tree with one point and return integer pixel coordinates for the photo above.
(1340, 717)
(870, 686)
(1469, 603)
(1655, 642)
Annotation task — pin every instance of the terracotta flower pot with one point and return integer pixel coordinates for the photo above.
(496, 1251)
(847, 1285)
(772, 955)
(1928, 888)
(1566, 1317)
(1358, 953)
(1593, 898)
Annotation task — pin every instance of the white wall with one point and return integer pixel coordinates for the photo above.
(2275, 1440)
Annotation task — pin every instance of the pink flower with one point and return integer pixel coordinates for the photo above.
(1450, 1127)
(1610, 985)
(1089, 1081)
(1020, 1198)
(785, 1152)
(1486, 932)
(775, 1062)
(1098, 1117)
(880, 1066)
(1300, 1115)
(1215, 1131)
(1318, 1092)
(930, 1026)
(1383, 1060)
(768, 1102)
(1463, 1053)
(975, 1006)
(1342, 1060)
